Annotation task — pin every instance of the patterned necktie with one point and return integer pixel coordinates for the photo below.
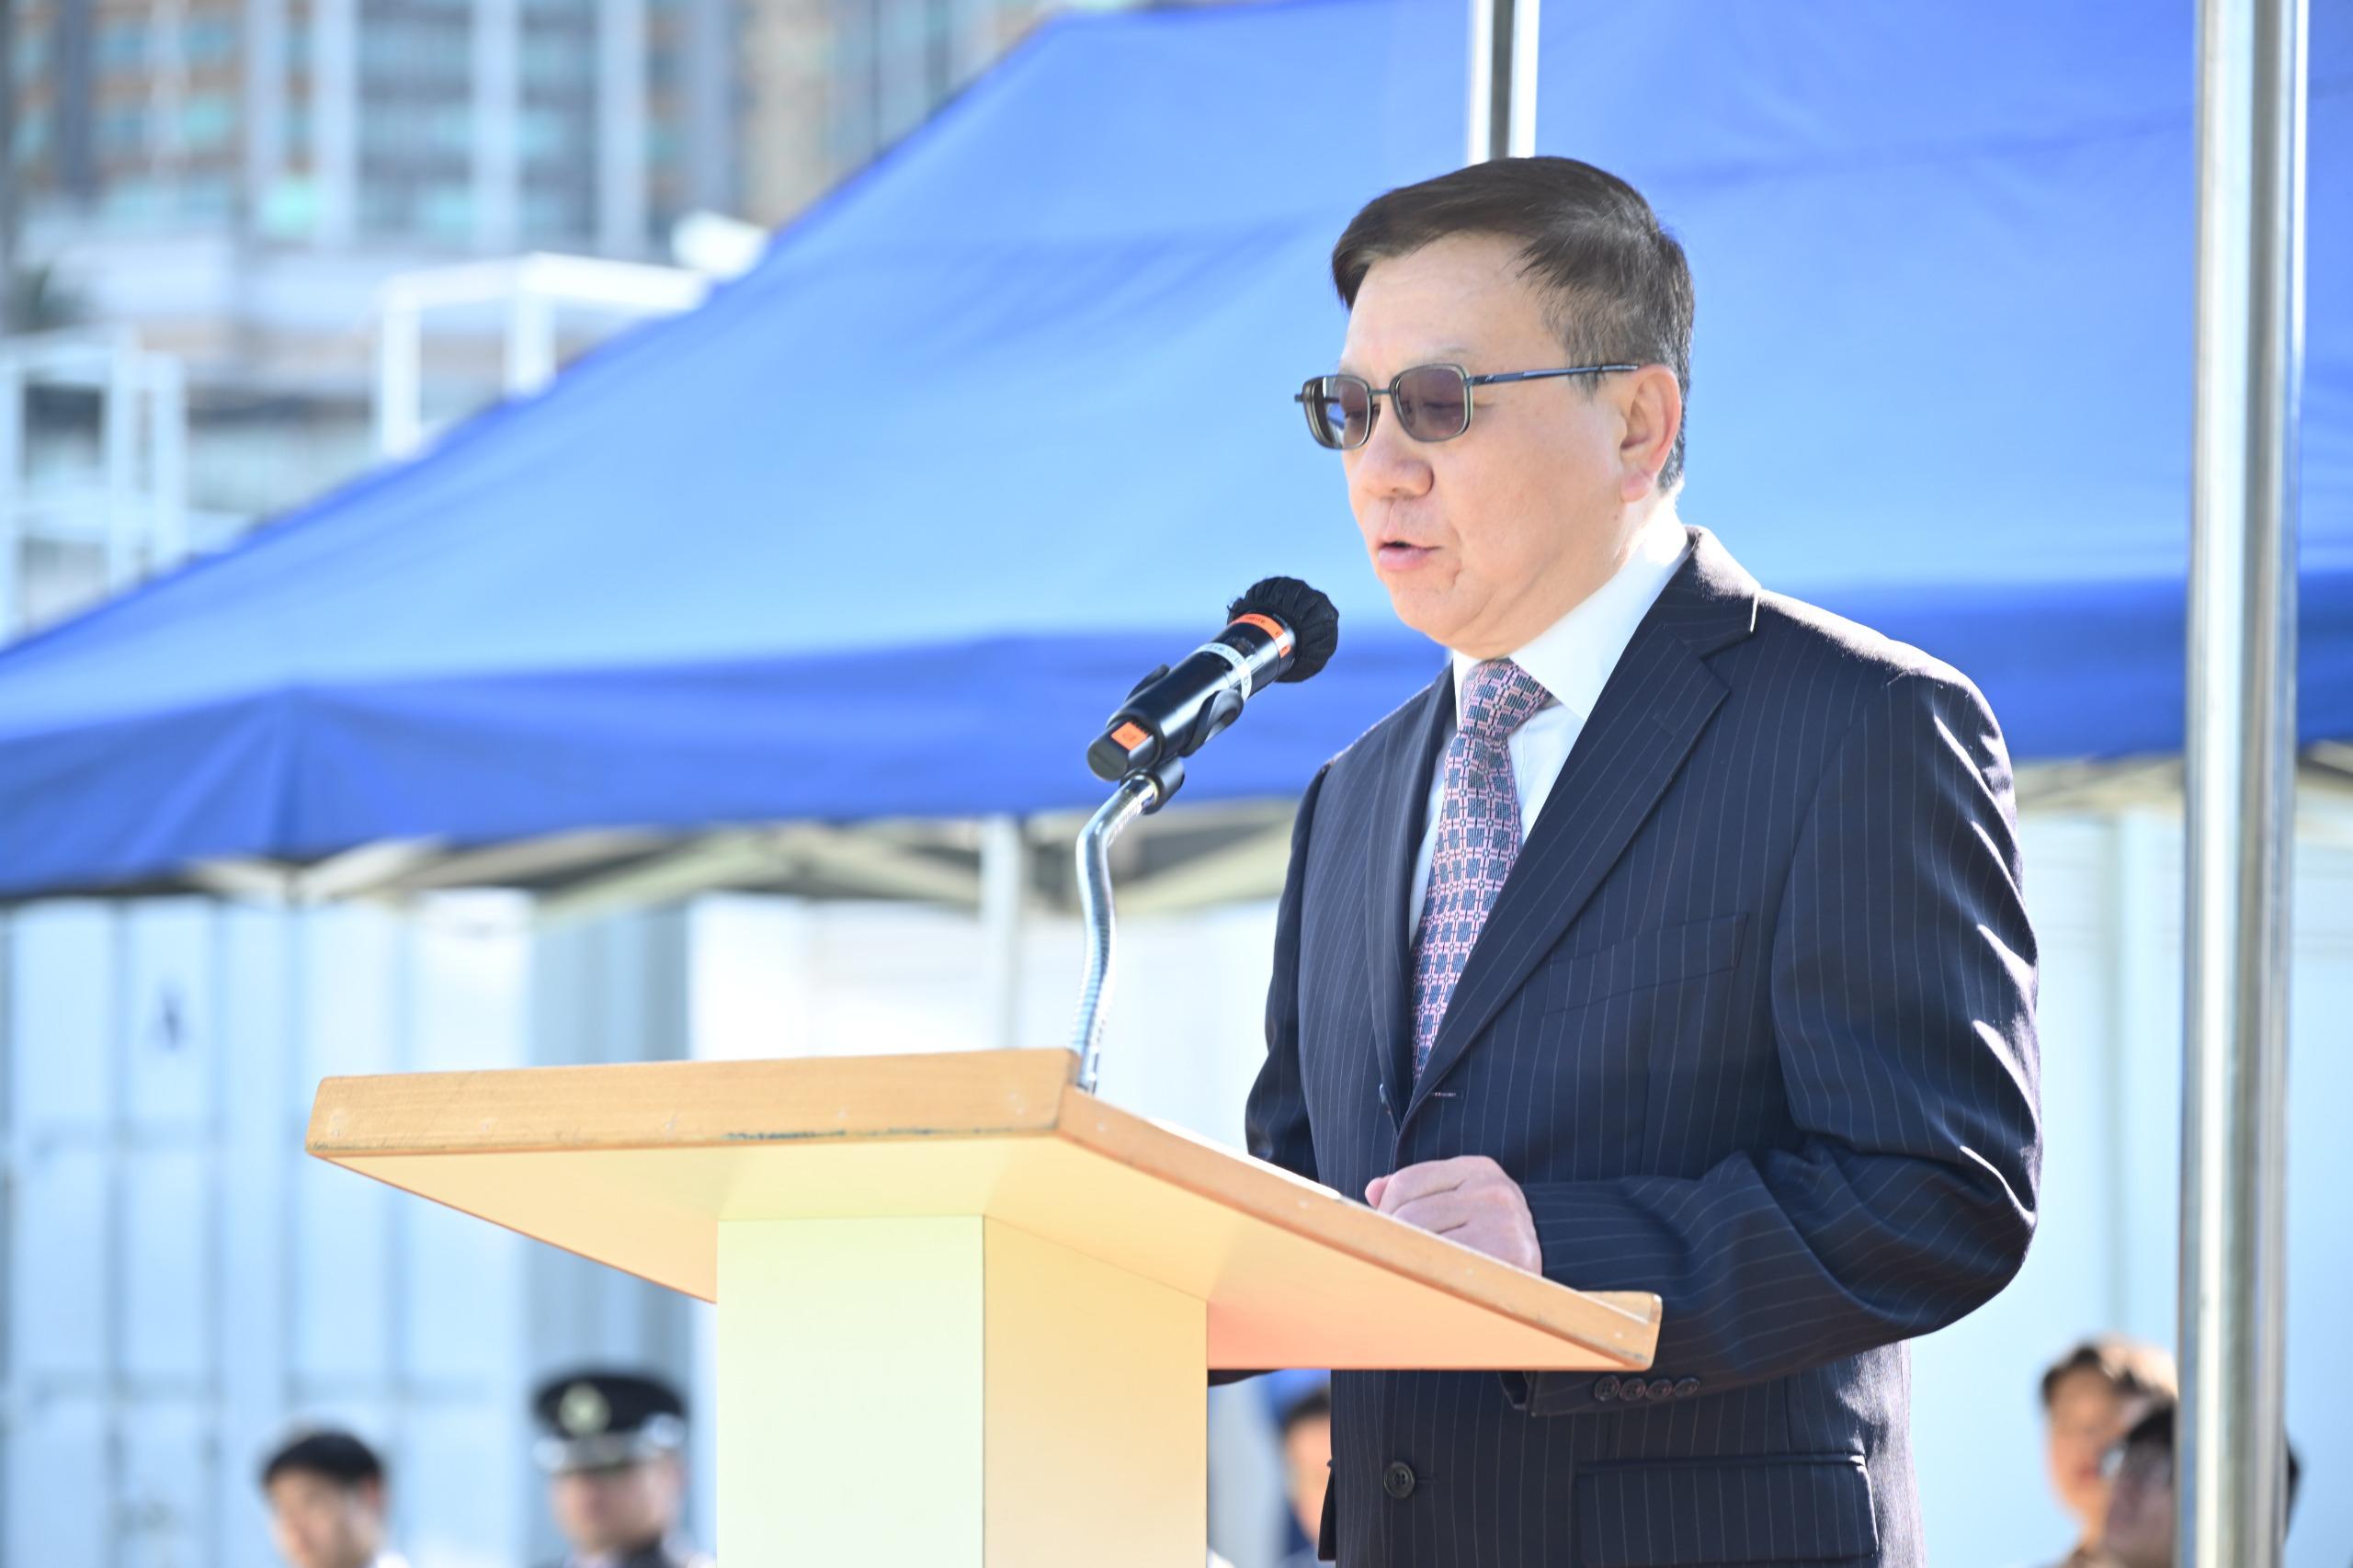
(1478, 838)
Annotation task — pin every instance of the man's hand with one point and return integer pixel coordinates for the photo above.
(1467, 1199)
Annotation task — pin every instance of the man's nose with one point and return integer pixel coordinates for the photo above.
(1390, 463)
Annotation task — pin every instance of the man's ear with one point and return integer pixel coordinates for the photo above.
(1650, 405)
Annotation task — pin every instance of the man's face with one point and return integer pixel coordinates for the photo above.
(2087, 1416)
(1307, 1457)
(1485, 541)
(317, 1521)
(618, 1509)
(2140, 1528)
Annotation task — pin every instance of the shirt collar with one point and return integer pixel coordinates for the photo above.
(1572, 657)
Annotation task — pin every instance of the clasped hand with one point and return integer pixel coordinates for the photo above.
(1468, 1199)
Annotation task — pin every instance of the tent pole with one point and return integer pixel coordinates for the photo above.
(1503, 80)
(1005, 885)
(2240, 779)
(400, 353)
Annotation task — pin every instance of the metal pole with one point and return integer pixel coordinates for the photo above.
(497, 116)
(12, 497)
(530, 334)
(9, 180)
(1503, 80)
(118, 411)
(167, 532)
(400, 377)
(621, 128)
(2239, 764)
(1138, 795)
(1005, 878)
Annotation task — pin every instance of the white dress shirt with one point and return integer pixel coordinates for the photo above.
(1571, 659)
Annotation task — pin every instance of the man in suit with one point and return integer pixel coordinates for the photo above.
(1671, 940)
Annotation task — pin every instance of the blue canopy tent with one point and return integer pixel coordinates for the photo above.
(886, 526)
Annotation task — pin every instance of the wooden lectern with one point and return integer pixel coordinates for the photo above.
(964, 1308)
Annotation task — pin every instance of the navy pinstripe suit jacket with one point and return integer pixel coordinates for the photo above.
(1751, 1022)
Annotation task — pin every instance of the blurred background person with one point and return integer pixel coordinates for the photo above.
(325, 1490)
(2141, 1523)
(2091, 1397)
(1306, 1432)
(617, 1484)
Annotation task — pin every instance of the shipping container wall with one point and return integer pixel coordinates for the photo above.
(180, 1285)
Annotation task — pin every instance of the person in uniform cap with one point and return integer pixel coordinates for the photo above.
(325, 1490)
(611, 1445)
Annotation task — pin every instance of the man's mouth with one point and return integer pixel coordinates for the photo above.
(1397, 554)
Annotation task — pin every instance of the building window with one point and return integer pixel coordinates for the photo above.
(206, 198)
(122, 44)
(32, 136)
(556, 57)
(551, 215)
(206, 123)
(120, 131)
(453, 128)
(131, 203)
(208, 41)
(289, 208)
(31, 56)
(412, 50)
(448, 212)
(384, 208)
(542, 135)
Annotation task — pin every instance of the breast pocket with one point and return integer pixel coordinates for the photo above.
(1610, 1020)
(1646, 960)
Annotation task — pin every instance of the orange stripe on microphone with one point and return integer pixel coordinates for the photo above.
(1271, 626)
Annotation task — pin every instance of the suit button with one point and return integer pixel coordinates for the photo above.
(1605, 1391)
(1632, 1390)
(1661, 1389)
(1398, 1481)
(1687, 1388)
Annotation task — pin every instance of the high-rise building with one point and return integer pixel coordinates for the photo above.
(234, 181)
(829, 83)
(452, 125)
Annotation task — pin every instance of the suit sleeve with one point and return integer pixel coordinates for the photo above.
(1274, 1121)
(1903, 998)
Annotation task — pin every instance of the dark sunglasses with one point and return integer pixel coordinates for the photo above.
(1433, 402)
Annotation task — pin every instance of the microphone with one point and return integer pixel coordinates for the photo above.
(1280, 629)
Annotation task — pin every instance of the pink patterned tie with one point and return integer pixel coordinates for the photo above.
(1478, 838)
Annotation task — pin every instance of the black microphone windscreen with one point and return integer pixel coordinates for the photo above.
(1313, 620)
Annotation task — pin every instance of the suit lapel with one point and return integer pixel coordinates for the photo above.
(1405, 803)
(1650, 713)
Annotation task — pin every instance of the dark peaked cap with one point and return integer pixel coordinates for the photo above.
(594, 1419)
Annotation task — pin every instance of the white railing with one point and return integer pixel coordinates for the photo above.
(529, 289)
(129, 507)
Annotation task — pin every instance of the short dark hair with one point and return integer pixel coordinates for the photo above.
(1316, 1404)
(2154, 1430)
(1620, 285)
(2128, 1366)
(338, 1456)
